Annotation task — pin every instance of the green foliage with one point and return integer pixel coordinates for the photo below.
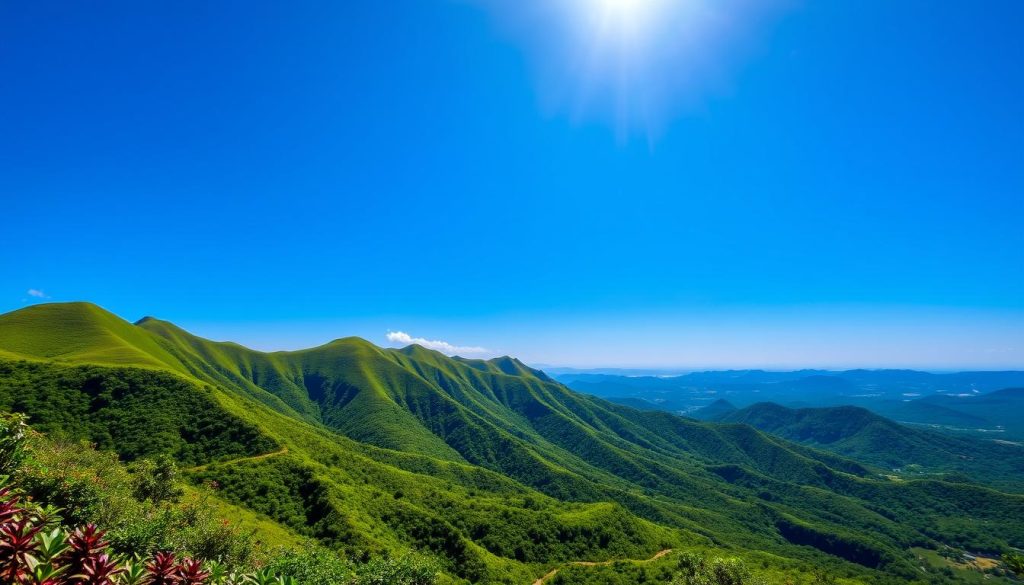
(30, 554)
(12, 442)
(1014, 562)
(281, 488)
(698, 570)
(500, 471)
(682, 568)
(156, 479)
(146, 513)
(407, 570)
(860, 434)
(91, 487)
(312, 566)
(137, 413)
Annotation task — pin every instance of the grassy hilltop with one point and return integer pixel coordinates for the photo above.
(494, 467)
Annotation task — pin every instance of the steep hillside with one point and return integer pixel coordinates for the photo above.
(80, 333)
(135, 412)
(488, 463)
(860, 434)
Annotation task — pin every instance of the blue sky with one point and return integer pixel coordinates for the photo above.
(689, 184)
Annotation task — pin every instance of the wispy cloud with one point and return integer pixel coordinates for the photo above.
(436, 344)
(34, 292)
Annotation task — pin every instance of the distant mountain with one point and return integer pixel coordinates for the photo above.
(865, 436)
(1004, 407)
(944, 401)
(490, 464)
(717, 410)
(993, 415)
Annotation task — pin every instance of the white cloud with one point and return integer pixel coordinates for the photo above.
(436, 344)
(33, 292)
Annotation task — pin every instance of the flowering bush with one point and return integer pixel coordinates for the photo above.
(33, 554)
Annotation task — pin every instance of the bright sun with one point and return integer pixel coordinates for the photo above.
(624, 6)
(627, 21)
(633, 62)
(629, 10)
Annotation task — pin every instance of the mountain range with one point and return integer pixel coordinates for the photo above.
(984, 404)
(496, 467)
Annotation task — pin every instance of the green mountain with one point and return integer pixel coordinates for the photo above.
(717, 410)
(860, 434)
(493, 466)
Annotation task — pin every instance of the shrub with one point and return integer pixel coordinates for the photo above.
(12, 442)
(695, 569)
(1014, 562)
(156, 479)
(407, 570)
(314, 566)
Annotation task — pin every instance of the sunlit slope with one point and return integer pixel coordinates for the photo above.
(520, 423)
(81, 333)
(348, 385)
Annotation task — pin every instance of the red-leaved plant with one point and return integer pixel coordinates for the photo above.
(192, 572)
(34, 550)
(162, 570)
(86, 559)
(17, 545)
(30, 555)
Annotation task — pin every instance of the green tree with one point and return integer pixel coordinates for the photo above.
(156, 479)
(695, 569)
(12, 442)
(1015, 562)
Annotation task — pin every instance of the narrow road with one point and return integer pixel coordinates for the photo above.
(554, 572)
(280, 451)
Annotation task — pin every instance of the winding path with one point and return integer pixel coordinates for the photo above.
(554, 571)
(280, 451)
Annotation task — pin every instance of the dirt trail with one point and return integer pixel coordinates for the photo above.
(554, 572)
(280, 451)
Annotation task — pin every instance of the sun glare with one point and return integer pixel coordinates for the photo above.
(634, 63)
(625, 20)
(625, 9)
